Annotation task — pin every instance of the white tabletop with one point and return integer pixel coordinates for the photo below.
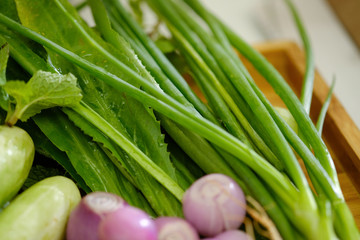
(335, 52)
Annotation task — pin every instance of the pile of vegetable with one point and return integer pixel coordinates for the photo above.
(109, 108)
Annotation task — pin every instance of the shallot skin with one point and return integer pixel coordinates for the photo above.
(233, 235)
(84, 220)
(128, 224)
(213, 204)
(170, 228)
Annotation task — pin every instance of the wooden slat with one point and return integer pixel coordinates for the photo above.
(348, 13)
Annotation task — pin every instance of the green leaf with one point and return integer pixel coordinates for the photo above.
(4, 56)
(44, 90)
(8, 8)
(88, 159)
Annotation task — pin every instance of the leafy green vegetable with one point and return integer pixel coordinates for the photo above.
(112, 106)
(46, 148)
(43, 90)
(87, 158)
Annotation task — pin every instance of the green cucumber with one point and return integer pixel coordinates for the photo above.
(41, 212)
(16, 157)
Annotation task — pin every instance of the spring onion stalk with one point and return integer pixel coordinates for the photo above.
(308, 82)
(322, 114)
(306, 127)
(344, 215)
(229, 120)
(221, 37)
(214, 25)
(301, 182)
(242, 85)
(223, 92)
(290, 99)
(207, 72)
(218, 32)
(321, 180)
(172, 29)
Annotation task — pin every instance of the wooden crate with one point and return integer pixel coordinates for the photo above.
(339, 133)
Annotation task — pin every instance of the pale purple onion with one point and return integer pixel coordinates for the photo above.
(128, 224)
(171, 228)
(93, 208)
(213, 204)
(233, 235)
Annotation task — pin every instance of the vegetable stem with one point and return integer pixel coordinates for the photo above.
(308, 82)
(131, 149)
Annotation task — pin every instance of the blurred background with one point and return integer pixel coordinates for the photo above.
(335, 50)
